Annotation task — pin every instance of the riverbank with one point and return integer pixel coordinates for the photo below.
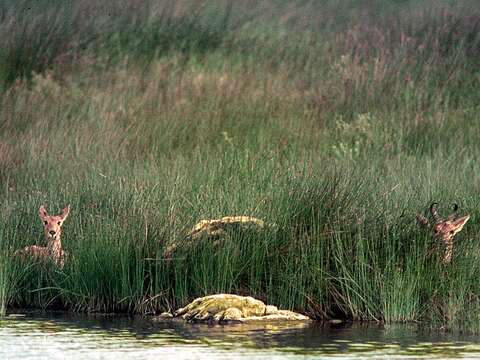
(338, 132)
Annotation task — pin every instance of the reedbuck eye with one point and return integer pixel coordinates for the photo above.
(452, 232)
(58, 223)
(45, 222)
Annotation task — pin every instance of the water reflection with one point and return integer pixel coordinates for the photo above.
(59, 335)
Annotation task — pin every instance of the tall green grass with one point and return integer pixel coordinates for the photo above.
(334, 132)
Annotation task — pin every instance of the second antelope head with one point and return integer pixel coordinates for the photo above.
(444, 229)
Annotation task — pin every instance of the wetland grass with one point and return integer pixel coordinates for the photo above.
(335, 134)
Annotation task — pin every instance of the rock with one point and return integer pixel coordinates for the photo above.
(229, 307)
(165, 315)
(214, 228)
(15, 316)
(217, 227)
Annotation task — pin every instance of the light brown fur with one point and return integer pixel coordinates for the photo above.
(53, 251)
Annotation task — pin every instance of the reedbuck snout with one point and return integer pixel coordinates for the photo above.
(444, 229)
(52, 227)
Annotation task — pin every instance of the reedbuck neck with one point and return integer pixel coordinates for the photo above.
(444, 229)
(52, 227)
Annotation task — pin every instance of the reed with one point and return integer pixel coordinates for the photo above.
(334, 133)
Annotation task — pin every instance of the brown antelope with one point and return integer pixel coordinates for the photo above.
(444, 229)
(52, 226)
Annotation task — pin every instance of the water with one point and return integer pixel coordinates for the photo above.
(67, 336)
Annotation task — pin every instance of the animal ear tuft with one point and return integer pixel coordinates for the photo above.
(460, 222)
(65, 212)
(42, 212)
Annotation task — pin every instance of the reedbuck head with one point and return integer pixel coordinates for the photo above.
(444, 229)
(52, 227)
(52, 224)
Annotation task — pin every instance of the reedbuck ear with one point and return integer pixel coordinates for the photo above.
(459, 223)
(42, 212)
(65, 212)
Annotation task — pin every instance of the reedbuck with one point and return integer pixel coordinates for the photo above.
(52, 226)
(444, 229)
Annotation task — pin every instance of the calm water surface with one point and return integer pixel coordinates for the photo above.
(67, 336)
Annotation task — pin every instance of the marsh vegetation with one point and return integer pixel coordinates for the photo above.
(337, 123)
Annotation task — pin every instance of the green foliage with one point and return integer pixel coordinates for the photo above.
(148, 118)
